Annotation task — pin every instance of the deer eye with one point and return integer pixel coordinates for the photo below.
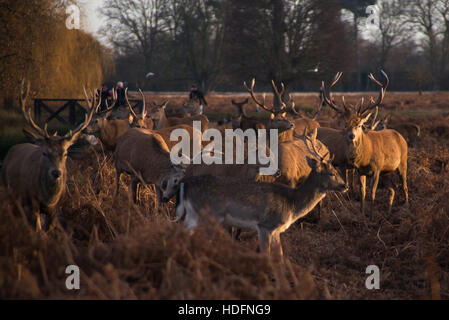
(45, 154)
(164, 184)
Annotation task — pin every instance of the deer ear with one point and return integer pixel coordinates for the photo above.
(130, 119)
(164, 104)
(33, 138)
(283, 114)
(313, 163)
(272, 116)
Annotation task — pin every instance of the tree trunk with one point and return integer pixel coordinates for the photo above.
(358, 79)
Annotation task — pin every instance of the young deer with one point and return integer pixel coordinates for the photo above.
(237, 120)
(373, 152)
(268, 208)
(35, 174)
(157, 114)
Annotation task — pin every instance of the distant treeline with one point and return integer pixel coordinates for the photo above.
(220, 43)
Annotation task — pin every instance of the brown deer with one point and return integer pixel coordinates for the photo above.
(268, 208)
(277, 116)
(304, 122)
(35, 174)
(236, 120)
(409, 131)
(157, 114)
(109, 130)
(373, 152)
(145, 156)
(139, 121)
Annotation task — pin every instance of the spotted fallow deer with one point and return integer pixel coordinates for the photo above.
(372, 152)
(35, 174)
(268, 208)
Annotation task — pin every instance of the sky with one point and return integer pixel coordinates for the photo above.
(92, 21)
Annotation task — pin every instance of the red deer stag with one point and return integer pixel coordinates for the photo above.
(373, 152)
(35, 174)
(277, 116)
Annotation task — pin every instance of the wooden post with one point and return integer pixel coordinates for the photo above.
(37, 110)
(72, 112)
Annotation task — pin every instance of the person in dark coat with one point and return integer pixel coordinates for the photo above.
(196, 94)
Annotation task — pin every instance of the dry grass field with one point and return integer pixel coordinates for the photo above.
(128, 251)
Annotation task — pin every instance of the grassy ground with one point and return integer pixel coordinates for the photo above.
(134, 251)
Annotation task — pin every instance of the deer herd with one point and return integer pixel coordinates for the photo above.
(310, 158)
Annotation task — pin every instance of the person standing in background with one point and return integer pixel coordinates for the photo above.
(196, 94)
(120, 89)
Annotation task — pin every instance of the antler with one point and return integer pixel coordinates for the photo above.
(109, 108)
(383, 89)
(375, 123)
(241, 103)
(129, 105)
(24, 91)
(251, 91)
(326, 95)
(240, 106)
(280, 94)
(72, 135)
(312, 141)
(144, 110)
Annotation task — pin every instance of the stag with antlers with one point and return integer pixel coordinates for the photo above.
(371, 152)
(35, 174)
(277, 118)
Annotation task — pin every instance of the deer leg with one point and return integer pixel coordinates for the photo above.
(191, 220)
(391, 199)
(363, 193)
(265, 241)
(373, 192)
(234, 232)
(403, 173)
(389, 185)
(278, 244)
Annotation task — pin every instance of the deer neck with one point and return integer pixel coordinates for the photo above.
(161, 122)
(358, 152)
(307, 196)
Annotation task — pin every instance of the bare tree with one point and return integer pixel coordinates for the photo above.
(358, 10)
(431, 20)
(135, 25)
(198, 28)
(392, 28)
